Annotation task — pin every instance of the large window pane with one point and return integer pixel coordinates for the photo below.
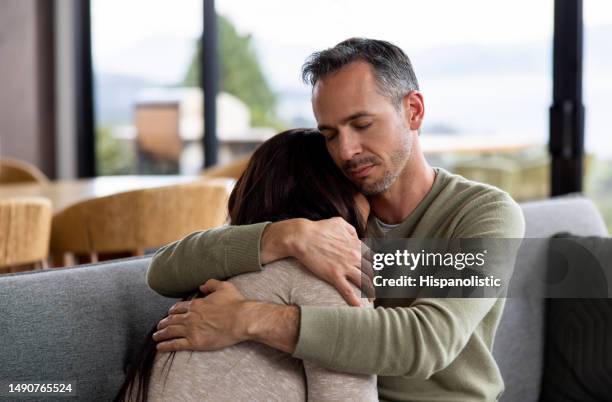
(597, 100)
(147, 104)
(484, 69)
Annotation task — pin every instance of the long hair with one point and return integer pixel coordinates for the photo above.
(289, 176)
(293, 176)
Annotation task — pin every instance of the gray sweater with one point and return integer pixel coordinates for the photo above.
(252, 371)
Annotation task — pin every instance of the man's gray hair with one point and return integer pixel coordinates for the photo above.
(392, 67)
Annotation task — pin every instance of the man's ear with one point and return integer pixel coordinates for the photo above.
(414, 109)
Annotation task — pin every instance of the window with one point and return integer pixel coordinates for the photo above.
(486, 83)
(147, 105)
(597, 96)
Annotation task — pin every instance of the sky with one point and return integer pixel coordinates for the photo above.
(297, 28)
(414, 24)
(154, 40)
(419, 23)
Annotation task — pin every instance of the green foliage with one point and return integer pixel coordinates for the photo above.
(599, 187)
(112, 157)
(240, 74)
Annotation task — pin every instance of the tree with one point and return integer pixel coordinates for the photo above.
(240, 74)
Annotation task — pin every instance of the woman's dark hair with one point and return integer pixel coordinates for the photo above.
(292, 176)
(289, 176)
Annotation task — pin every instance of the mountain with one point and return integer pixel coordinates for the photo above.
(115, 97)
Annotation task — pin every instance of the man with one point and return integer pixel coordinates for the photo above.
(366, 101)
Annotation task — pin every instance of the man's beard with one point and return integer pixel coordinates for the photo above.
(399, 158)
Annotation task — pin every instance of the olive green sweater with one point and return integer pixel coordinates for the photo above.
(431, 350)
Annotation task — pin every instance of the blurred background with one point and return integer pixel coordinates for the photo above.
(110, 87)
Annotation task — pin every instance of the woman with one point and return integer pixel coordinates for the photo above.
(289, 176)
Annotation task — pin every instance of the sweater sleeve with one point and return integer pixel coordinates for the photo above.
(415, 341)
(220, 253)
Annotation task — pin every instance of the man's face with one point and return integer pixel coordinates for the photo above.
(367, 135)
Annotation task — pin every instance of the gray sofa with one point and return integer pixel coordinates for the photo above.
(83, 324)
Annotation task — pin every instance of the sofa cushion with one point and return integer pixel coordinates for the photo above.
(77, 324)
(578, 349)
(519, 343)
(83, 324)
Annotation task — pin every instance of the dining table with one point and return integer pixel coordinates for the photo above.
(64, 193)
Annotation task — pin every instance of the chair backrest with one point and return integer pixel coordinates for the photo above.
(25, 226)
(17, 171)
(140, 219)
(232, 170)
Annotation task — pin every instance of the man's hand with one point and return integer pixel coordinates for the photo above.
(224, 318)
(207, 323)
(329, 248)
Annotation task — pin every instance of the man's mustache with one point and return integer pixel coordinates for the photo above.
(355, 164)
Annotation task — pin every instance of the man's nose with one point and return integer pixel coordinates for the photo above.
(348, 145)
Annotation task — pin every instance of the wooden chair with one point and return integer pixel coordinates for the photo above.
(232, 170)
(17, 171)
(133, 221)
(25, 227)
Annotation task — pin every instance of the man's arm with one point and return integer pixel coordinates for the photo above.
(180, 267)
(329, 248)
(413, 341)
